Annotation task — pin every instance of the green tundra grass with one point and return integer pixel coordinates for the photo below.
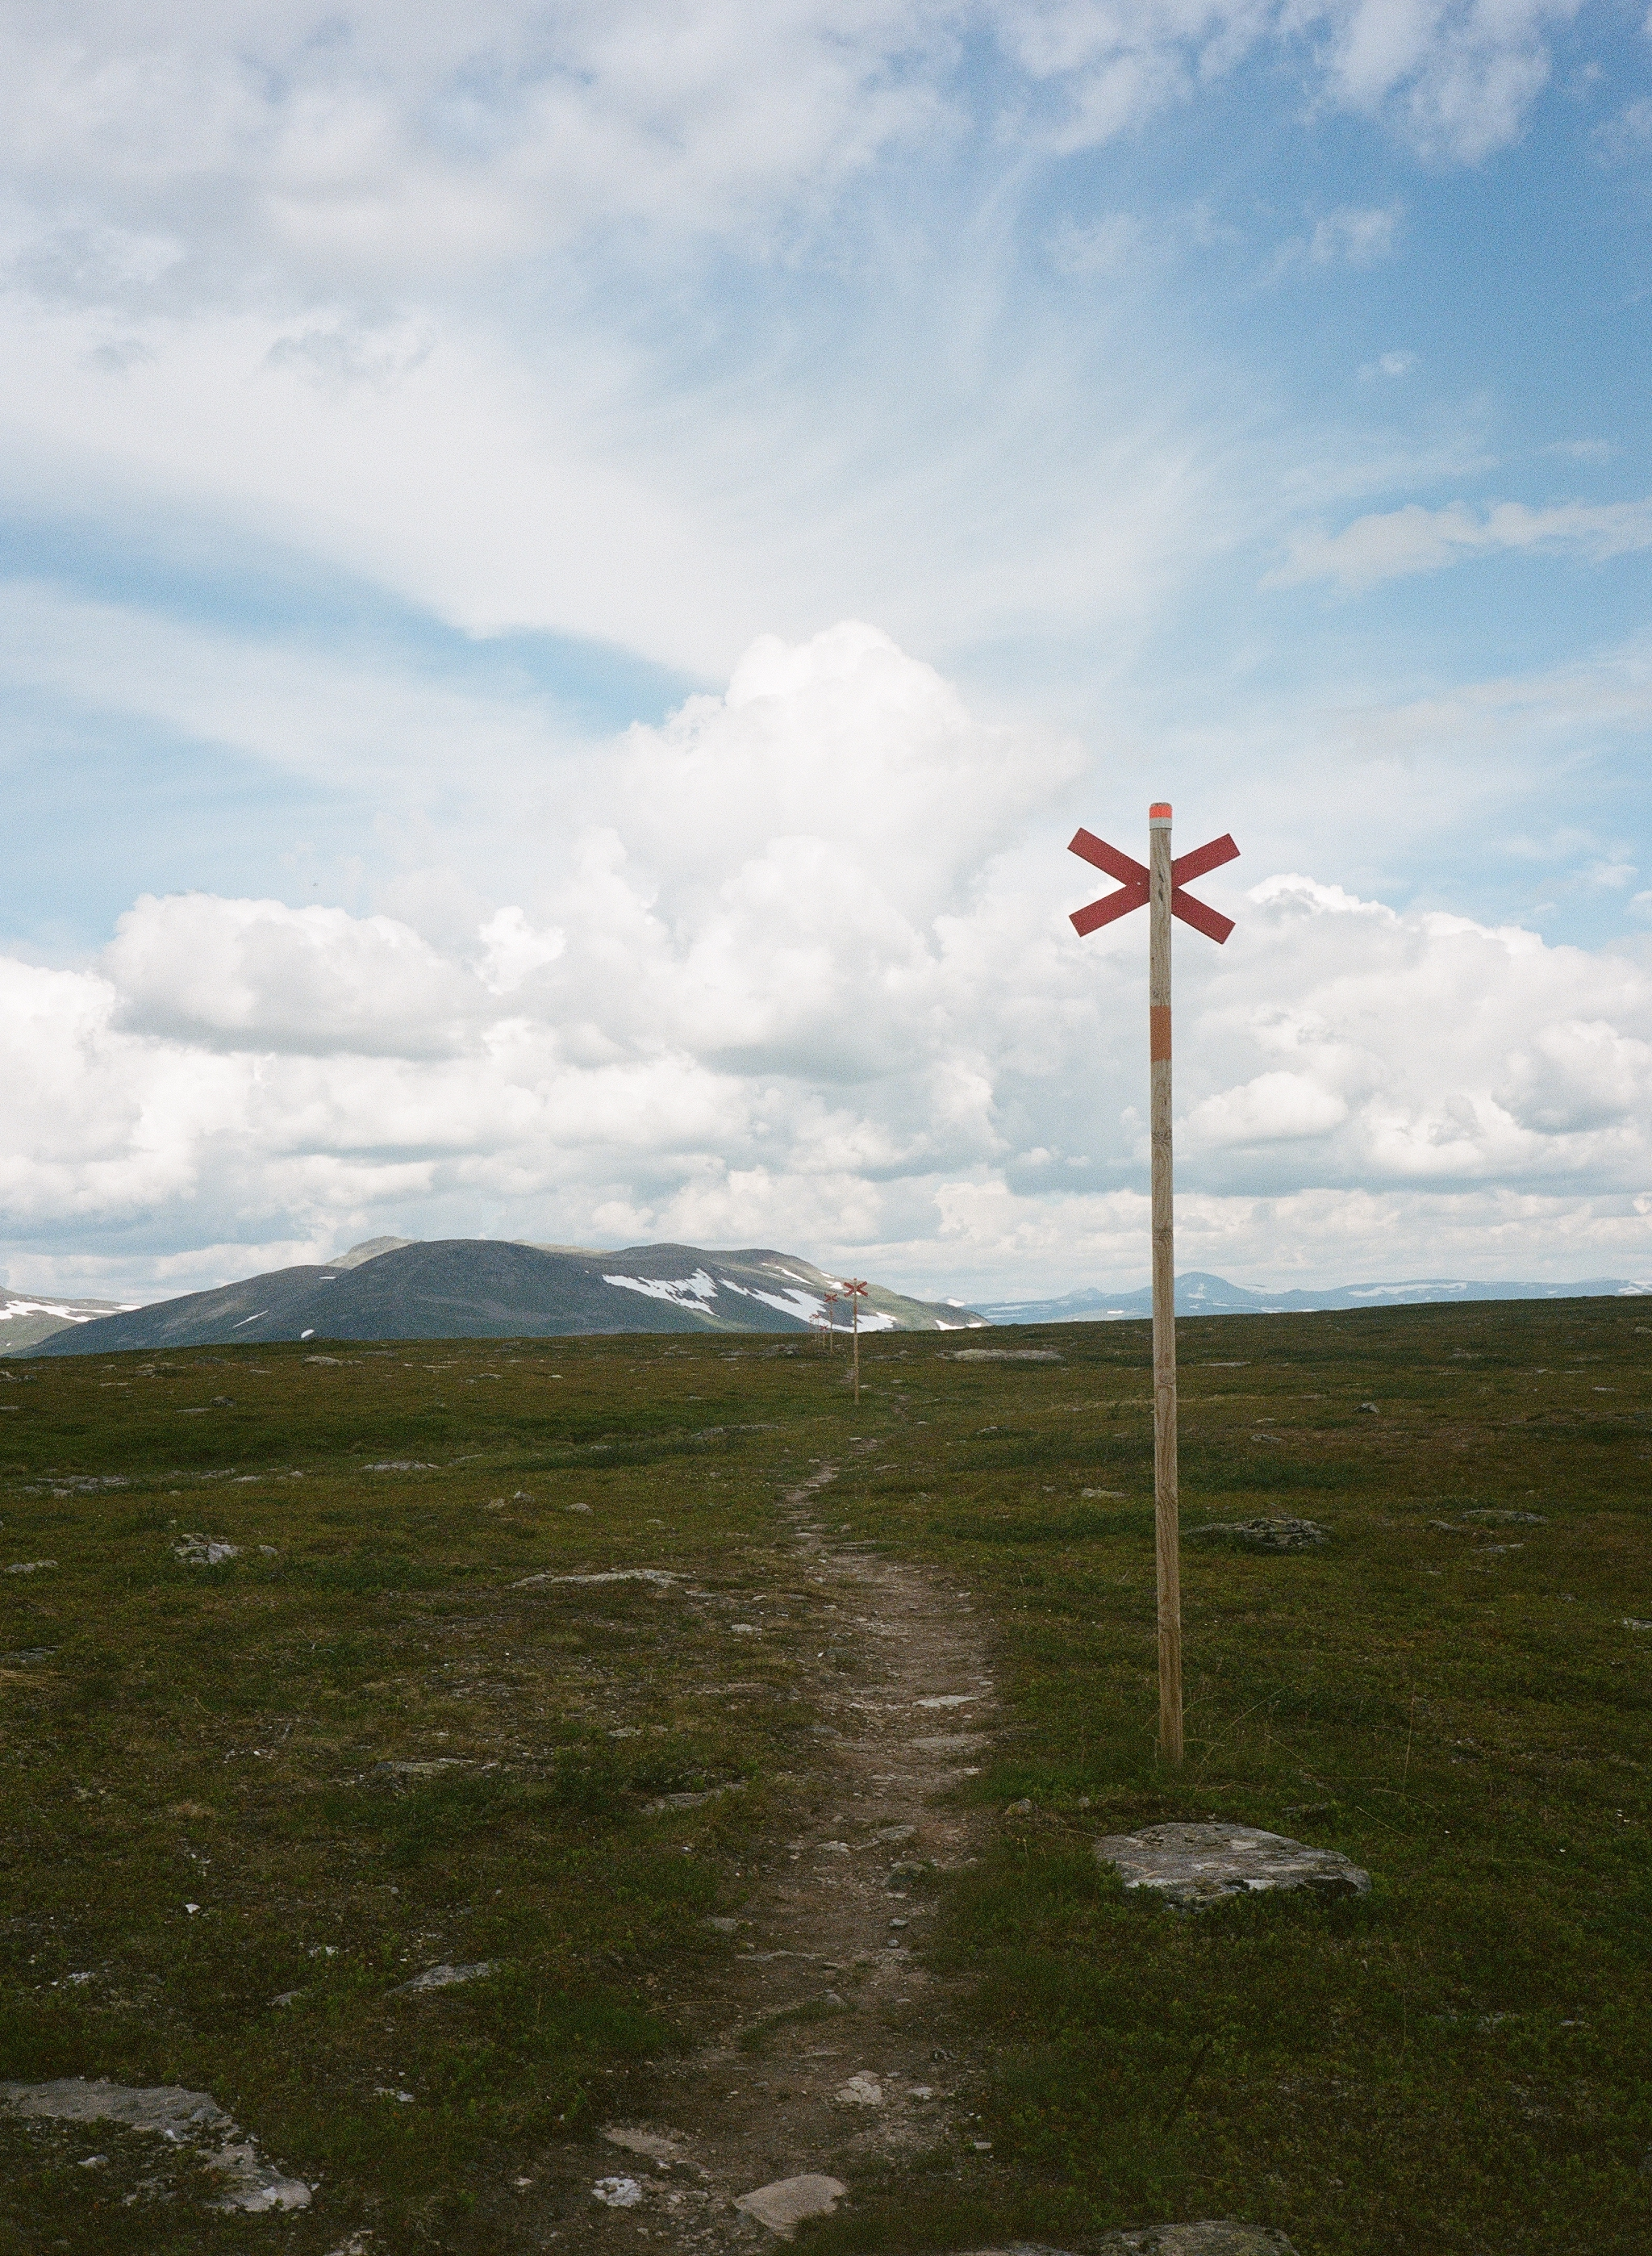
(1459, 2063)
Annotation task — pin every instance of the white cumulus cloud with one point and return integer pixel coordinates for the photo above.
(803, 976)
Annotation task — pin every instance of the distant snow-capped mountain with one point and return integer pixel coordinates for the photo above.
(1199, 1294)
(28, 1317)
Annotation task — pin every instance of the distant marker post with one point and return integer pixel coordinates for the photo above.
(855, 1290)
(1159, 887)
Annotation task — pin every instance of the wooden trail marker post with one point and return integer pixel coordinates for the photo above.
(854, 1291)
(1159, 888)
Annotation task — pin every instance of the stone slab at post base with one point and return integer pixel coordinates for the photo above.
(1192, 1866)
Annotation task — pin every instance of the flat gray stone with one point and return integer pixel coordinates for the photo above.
(658, 1577)
(1006, 1355)
(654, 2146)
(783, 2205)
(171, 2112)
(443, 1978)
(1280, 1534)
(1196, 1864)
(1216, 2237)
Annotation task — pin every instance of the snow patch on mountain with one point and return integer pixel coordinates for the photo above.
(682, 1292)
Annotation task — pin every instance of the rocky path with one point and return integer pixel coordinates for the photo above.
(831, 2053)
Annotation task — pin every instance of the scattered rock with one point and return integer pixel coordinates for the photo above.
(1629, 1622)
(617, 2193)
(1214, 2238)
(1089, 1494)
(429, 1767)
(718, 1927)
(203, 1551)
(783, 2205)
(332, 1359)
(951, 1743)
(650, 2144)
(387, 1464)
(861, 2090)
(895, 1833)
(656, 1575)
(1198, 1864)
(1005, 1355)
(1372, 1407)
(443, 1978)
(1262, 1535)
(947, 1700)
(29, 1658)
(31, 1565)
(1508, 1519)
(658, 1808)
(172, 2113)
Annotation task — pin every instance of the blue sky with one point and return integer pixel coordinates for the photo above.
(411, 426)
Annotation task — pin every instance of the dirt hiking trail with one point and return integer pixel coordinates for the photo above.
(849, 2057)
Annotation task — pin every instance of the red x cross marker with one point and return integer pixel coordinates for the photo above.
(1133, 881)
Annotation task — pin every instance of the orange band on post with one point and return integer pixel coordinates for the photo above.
(1159, 1032)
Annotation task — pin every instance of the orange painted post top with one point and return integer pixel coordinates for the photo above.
(1159, 814)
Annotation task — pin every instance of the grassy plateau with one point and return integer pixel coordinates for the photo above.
(241, 1803)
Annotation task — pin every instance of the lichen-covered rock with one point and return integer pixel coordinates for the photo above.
(1280, 1534)
(180, 2116)
(1196, 1864)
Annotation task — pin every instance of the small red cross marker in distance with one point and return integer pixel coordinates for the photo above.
(1132, 893)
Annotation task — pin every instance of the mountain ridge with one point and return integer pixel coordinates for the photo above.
(500, 1288)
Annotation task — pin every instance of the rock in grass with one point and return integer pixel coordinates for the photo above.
(1261, 1535)
(783, 2205)
(1198, 1864)
(176, 2115)
(1006, 1355)
(443, 1978)
(203, 1551)
(1216, 2237)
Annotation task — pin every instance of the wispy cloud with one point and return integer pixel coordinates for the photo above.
(1392, 545)
(1390, 364)
(1354, 237)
